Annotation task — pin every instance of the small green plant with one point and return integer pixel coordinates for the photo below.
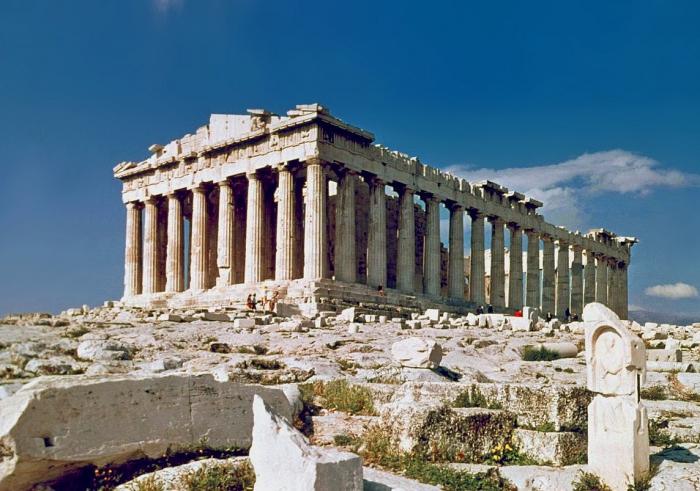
(348, 366)
(530, 353)
(149, 483)
(654, 393)
(229, 477)
(341, 396)
(256, 349)
(658, 437)
(475, 398)
(345, 440)
(643, 482)
(589, 482)
(508, 455)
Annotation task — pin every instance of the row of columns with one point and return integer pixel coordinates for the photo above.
(558, 289)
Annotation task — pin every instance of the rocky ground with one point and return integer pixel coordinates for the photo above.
(460, 402)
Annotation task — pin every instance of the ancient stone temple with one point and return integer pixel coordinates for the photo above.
(309, 206)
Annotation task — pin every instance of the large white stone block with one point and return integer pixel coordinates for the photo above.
(618, 440)
(284, 460)
(55, 425)
(417, 353)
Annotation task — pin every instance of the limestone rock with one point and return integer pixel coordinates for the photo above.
(417, 353)
(103, 350)
(114, 419)
(664, 355)
(244, 323)
(285, 461)
(376, 480)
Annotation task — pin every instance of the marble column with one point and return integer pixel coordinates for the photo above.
(577, 282)
(477, 268)
(601, 278)
(406, 262)
(175, 271)
(498, 274)
(589, 279)
(455, 275)
(255, 230)
(150, 246)
(515, 277)
(286, 224)
(315, 227)
(345, 253)
(225, 240)
(533, 269)
(624, 293)
(198, 242)
(562, 291)
(431, 250)
(376, 234)
(132, 253)
(612, 286)
(547, 276)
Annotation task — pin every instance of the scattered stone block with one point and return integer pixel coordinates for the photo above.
(246, 323)
(348, 315)
(664, 355)
(432, 314)
(521, 324)
(217, 347)
(417, 353)
(559, 448)
(170, 318)
(112, 420)
(281, 454)
(376, 480)
(102, 350)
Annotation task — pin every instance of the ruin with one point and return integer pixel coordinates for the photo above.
(299, 204)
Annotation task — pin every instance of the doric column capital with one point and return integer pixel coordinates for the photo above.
(133, 205)
(224, 183)
(496, 220)
(374, 180)
(475, 214)
(454, 206)
(197, 187)
(514, 226)
(152, 199)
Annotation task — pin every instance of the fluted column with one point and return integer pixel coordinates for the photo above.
(612, 286)
(515, 277)
(589, 279)
(577, 281)
(455, 275)
(624, 292)
(132, 252)
(198, 243)
(547, 275)
(406, 262)
(431, 250)
(533, 269)
(376, 234)
(174, 272)
(601, 278)
(286, 225)
(477, 269)
(255, 230)
(345, 251)
(150, 246)
(225, 242)
(315, 228)
(498, 274)
(562, 292)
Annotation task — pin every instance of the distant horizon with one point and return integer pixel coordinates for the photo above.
(591, 109)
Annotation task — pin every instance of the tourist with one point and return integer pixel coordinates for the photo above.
(518, 313)
(489, 309)
(480, 310)
(567, 315)
(273, 300)
(380, 291)
(254, 301)
(249, 303)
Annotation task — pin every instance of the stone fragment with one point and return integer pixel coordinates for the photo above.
(672, 366)
(353, 328)
(284, 460)
(417, 353)
(559, 448)
(170, 318)
(348, 315)
(115, 419)
(103, 350)
(521, 324)
(597, 312)
(56, 365)
(376, 480)
(216, 317)
(432, 314)
(664, 355)
(245, 323)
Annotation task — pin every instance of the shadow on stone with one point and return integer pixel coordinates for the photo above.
(676, 453)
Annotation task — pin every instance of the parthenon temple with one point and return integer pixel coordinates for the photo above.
(309, 206)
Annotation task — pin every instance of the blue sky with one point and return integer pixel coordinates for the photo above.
(604, 97)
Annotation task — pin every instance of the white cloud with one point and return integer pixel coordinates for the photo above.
(675, 291)
(563, 187)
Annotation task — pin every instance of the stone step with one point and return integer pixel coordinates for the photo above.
(557, 448)
(326, 427)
